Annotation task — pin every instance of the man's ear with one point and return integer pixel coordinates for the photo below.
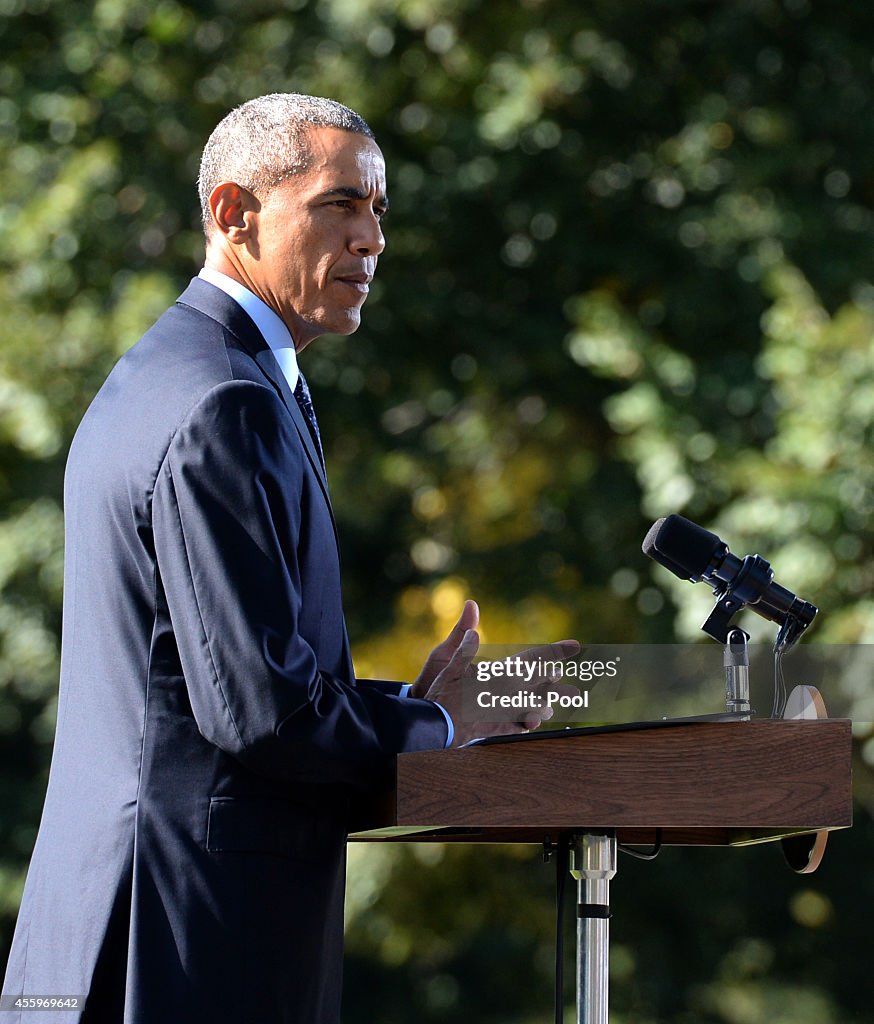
(233, 208)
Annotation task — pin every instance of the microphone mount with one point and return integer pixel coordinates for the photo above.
(695, 554)
(753, 587)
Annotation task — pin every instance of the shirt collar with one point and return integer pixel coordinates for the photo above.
(274, 331)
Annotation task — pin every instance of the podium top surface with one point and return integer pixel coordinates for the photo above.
(703, 783)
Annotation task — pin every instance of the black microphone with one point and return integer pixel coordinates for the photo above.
(696, 554)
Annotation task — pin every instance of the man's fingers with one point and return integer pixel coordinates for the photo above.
(467, 649)
(443, 653)
(469, 619)
(446, 687)
(561, 650)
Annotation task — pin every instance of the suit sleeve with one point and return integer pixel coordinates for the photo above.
(227, 523)
(385, 685)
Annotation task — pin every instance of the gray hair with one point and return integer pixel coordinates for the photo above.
(261, 143)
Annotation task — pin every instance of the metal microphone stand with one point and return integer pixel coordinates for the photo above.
(736, 659)
(593, 864)
(594, 856)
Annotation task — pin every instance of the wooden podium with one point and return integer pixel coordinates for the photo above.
(685, 784)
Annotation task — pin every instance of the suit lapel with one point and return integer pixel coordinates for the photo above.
(214, 303)
(269, 365)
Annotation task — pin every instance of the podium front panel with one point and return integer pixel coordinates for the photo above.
(700, 784)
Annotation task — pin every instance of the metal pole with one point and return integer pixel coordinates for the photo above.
(736, 659)
(593, 864)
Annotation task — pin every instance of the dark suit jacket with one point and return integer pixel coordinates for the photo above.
(190, 862)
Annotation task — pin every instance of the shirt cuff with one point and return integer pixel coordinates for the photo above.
(450, 735)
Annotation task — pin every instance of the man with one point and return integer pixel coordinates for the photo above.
(190, 861)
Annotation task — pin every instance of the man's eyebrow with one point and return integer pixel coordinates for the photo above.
(355, 193)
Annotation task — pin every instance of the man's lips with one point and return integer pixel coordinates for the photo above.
(360, 282)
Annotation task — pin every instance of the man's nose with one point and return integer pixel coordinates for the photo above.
(368, 239)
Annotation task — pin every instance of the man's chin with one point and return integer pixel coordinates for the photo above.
(348, 323)
(308, 330)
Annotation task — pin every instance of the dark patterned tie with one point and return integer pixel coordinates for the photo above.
(302, 394)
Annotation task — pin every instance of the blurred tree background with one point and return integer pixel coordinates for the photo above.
(629, 272)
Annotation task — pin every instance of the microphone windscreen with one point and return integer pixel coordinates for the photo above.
(682, 546)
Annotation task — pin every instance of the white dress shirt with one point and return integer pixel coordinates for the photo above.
(268, 322)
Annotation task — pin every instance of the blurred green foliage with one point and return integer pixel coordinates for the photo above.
(630, 272)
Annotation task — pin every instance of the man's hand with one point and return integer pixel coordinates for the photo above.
(443, 653)
(447, 671)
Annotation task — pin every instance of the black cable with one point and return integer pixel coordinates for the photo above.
(790, 631)
(642, 854)
(561, 851)
(779, 705)
(562, 869)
